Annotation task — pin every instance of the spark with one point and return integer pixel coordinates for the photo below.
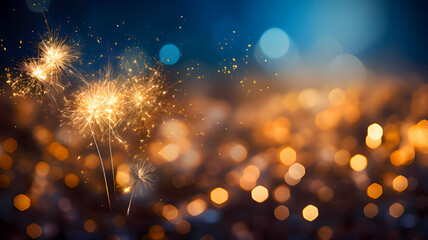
(141, 176)
(146, 98)
(96, 109)
(44, 75)
(57, 55)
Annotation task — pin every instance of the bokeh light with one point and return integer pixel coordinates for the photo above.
(274, 43)
(310, 213)
(169, 54)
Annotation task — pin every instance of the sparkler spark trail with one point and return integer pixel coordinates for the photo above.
(57, 55)
(145, 100)
(96, 109)
(141, 176)
(44, 75)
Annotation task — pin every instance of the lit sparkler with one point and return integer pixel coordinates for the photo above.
(146, 99)
(141, 176)
(43, 75)
(96, 109)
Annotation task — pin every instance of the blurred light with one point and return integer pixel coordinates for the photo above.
(400, 183)
(183, 227)
(281, 212)
(92, 161)
(4, 181)
(169, 212)
(252, 171)
(71, 180)
(358, 162)
(373, 143)
(174, 130)
(169, 54)
(34, 230)
(219, 195)
(327, 119)
(370, 210)
(170, 152)
(337, 96)
(325, 233)
(238, 153)
(287, 156)
(396, 210)
(10, 145)
(21, 202)
(90, 225)
(310, 213)
(347, 66)
(342, 157)
(42, 169)
(122, 175)
(6, 162)
(402, 156)
(259, 194)
(309, 98)
(274, 43)
(281, 193)
(156, 232)
(374, 190)
(196, 207)
(291, 180)
(325, 194)
(374, 131)
(296, 171)
(42, 134)
(418, 136)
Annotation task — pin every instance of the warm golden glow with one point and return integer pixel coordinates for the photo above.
(370, 210)
(21, 202)
(358, 162)
(196, 207)
(396, 210)
(287, 156)
(374, 131)
(219, 195)
(310, 213)
(238, 153)
(90, 225)
(374, 190)
(71, 180)
(259, 194)
(34, 230)
(281, 212)
(400, 183)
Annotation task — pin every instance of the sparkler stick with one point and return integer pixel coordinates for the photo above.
(102, 167)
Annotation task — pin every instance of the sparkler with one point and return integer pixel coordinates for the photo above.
(141, 176)
(145, 100)
(96, 109)
(43, 75)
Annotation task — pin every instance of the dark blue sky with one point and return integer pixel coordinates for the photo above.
(383, 34)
